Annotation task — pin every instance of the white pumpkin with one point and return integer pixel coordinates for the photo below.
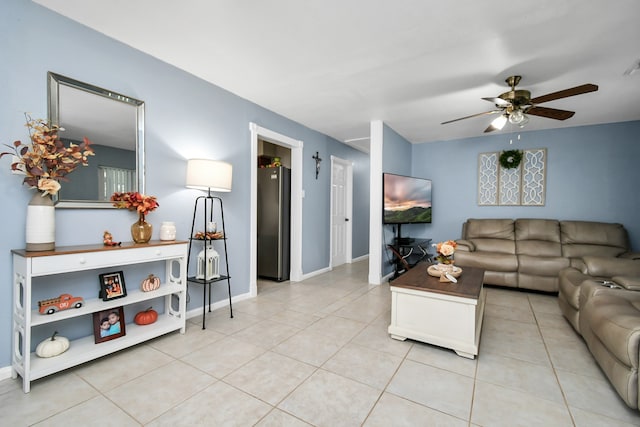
(53, 346)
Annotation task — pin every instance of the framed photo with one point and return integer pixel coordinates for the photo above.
(108, 324)
(112, 286)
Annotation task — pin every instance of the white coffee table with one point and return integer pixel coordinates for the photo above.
(444, 314)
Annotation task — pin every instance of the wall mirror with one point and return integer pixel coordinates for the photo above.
(114, 123)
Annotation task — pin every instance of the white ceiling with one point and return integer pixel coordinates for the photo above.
(335, 65)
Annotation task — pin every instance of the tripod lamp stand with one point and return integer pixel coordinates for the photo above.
(210, 176)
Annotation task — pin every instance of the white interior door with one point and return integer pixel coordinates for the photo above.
(341, 209)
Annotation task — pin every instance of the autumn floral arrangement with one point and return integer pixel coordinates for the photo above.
(46, 160)
(134, 201)
(445, 251)
(208, 235)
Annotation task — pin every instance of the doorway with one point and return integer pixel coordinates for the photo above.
(341, 211)
(260, 133)
(274, 213)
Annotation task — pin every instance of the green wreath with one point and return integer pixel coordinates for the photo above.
(510, 159)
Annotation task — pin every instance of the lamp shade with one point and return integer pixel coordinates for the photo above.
(212, 175)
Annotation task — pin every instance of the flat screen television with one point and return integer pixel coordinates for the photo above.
(407, 200)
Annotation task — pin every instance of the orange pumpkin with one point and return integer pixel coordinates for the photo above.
(146, 317)
(150, 283)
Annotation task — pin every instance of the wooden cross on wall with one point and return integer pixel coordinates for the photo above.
(318, 160)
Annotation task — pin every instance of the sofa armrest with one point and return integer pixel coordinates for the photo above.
(609, 267)
(630, 255)
(629, 283)
(465, 245)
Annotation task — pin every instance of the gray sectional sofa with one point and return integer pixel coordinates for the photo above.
(530, 253)
(602, 303)
(590, 266)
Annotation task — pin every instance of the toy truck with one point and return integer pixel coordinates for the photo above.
(63, 302)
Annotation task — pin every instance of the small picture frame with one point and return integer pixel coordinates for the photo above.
(112, 286)
(108, 324)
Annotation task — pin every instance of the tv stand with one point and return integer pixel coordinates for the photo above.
(404, 240)
(408, 252)
(399, 240)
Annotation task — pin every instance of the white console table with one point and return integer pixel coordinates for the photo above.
(67, 260)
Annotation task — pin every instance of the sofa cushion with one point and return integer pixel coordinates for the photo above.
(491, 235)
(495, 246)
(609, 267)
(581, 238)
(487, 260)
(614, 318)
(541, 265)
(547, 230)
(538, 237)
(489, 229)
(569, 284)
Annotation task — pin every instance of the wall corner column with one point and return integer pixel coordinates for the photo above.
(375, 202)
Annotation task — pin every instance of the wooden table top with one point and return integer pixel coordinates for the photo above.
(66, 250)
(469, 283)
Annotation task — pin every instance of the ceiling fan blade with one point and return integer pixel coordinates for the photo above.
(498, 101)
(550, 113)
(471, 116)
(578, 90)
(491, 128)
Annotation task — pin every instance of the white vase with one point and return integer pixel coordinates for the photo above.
(41, 224)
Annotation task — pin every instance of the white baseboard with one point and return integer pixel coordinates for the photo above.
(360, 258)
(328, 269)
(316, 273)
(387, 277)
(5, 373)
(219, 304)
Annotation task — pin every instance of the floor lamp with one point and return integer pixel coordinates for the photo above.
(210, 176)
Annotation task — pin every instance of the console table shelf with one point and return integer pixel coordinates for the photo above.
(84, 349)
(54, 265)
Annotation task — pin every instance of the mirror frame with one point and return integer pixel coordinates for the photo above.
(54, 81)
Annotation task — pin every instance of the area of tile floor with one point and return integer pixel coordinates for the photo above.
(317, 353)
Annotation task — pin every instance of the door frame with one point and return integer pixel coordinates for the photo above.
(296, 146)
(348, 207)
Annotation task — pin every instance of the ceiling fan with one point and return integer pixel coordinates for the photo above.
(514, 105)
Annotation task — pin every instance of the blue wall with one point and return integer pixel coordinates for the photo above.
(592, 174)
(185, 117)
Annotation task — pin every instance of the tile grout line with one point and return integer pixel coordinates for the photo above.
(553, 367)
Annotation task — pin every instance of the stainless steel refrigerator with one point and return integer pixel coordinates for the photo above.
(274, 217)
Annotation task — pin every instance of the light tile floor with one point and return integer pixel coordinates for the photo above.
(317, 353)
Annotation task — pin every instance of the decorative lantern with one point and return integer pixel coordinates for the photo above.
(208, 263)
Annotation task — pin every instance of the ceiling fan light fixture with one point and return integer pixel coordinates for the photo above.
(499, 122)
(513, 105)
(517, 117)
